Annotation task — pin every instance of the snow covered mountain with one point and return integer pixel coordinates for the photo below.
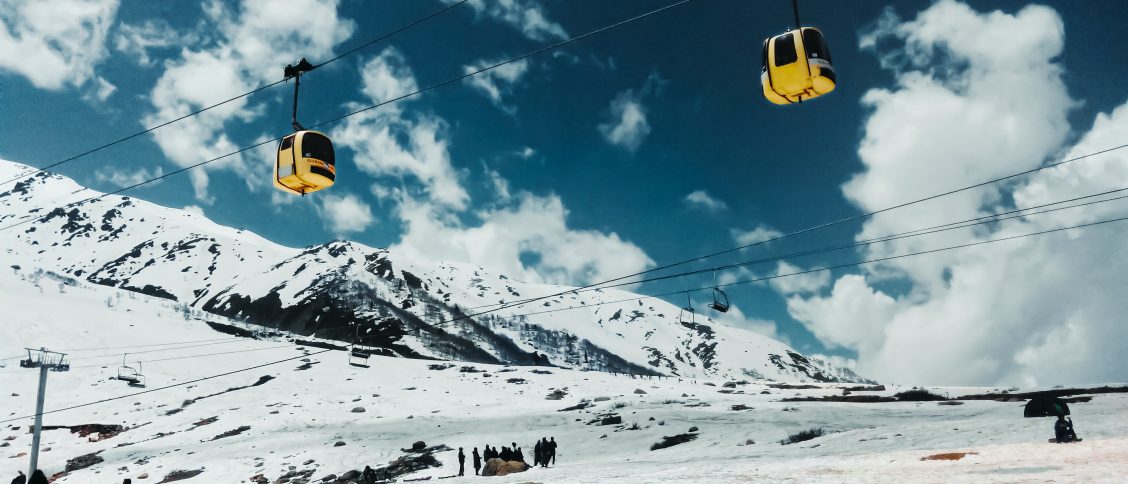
(391, 305)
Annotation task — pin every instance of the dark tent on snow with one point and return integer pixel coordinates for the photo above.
(1045, 407)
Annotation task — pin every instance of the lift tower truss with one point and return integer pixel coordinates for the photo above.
(46, 361)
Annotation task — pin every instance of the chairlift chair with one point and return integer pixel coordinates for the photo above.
(131, 375)
(358, 357)
(720, 299)
(687, 315)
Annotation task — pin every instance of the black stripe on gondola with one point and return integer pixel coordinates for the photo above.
(317, 170)
(829, 74)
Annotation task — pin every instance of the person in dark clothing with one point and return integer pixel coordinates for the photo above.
(544, 451)
(505, 454)
(461, 462)
(538, 453)
(518, 455)
(477, 461)
(1063, 430)
(37, 477)
(552, 450)
(368, 476)
(20, 479)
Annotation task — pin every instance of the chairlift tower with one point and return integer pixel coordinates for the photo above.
(45, 361)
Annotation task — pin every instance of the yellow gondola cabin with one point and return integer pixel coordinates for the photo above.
(786, 78)
(305, 163)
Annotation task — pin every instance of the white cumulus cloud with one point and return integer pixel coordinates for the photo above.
(497, 82)
(736, 317)
(702, 200)
(759, 234)
(345, 214)
(528, 238)
(242, 51)
(123, 178)
(626, 125)
(388, 143)
(808, 283)
(138, 40)
(527, 16)
(54, 43)
(196, 209)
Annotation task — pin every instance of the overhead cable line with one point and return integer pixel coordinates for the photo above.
(139, 133)
(74, 350)
(159, 350)
(392, 33)
(890, 238)
(830, 268)
(852, 218)
(505, 62)
(982, 220)
(221, 103)
(189, 357)
(185, 357)
(166, 387)
(374, 106)
(914, 233)
(794, 233)
(136, 185)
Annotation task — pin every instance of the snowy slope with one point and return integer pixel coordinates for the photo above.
(398, 306)
(292, 421)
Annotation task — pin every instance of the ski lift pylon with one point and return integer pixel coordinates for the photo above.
(53, 360)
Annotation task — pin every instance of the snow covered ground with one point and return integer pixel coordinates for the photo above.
(296, 419)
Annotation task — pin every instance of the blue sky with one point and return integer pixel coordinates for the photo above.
(642, 145)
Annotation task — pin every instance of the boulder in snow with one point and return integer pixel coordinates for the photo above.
(498, 467)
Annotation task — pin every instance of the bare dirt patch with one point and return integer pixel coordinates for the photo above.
(949, 456)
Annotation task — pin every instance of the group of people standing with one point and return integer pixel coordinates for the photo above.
(37, 477)
(543, 452)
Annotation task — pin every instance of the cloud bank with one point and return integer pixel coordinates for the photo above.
(979, 95)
